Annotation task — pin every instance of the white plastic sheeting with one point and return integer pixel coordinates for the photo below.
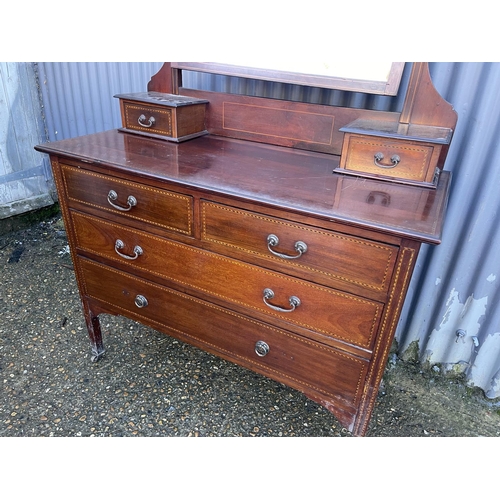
(25, 179)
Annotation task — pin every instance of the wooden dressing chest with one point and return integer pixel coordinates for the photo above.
(249, 243)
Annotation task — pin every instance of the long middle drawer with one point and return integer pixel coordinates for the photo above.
(279, 297)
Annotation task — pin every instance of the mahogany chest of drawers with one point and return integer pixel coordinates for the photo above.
(301, 287)
(251, 242)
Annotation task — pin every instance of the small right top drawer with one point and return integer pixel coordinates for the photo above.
(410, 155)
(334, 259)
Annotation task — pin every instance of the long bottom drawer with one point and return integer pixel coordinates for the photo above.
(296, 361)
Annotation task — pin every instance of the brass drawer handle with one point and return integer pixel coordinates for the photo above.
(149, 123)
(261, 348)
(113, 196)
(137, 250)
(395, 159)
(141, 301)
(269, 294)
(273, 240)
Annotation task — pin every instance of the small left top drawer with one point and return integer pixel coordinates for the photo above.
(169, 117)
(144, 118)
(165, 209)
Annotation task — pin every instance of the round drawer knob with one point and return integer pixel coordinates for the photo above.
(261, 348)
(141, 301)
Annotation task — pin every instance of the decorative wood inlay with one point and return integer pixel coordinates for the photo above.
(288, 124)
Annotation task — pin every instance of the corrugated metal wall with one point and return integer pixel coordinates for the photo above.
(453, 309)
(78, 97)
(451, 319)
(25, 177)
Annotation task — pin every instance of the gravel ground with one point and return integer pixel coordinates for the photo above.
(151, 385)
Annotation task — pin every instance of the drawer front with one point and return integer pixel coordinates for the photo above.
(403, 160)
(281, 298)
(334, 258)
(165, 209)
(150, 119)
(299, 362)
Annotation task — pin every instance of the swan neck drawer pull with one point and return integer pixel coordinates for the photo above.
(137, 250)
(141, 301)
(377, 157)
(273, 240)
(113, 196)
(142, 121)
(269, 294)
(261, 348)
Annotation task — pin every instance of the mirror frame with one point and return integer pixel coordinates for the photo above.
(389, 86)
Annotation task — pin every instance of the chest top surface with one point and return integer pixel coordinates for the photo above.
(280, 177)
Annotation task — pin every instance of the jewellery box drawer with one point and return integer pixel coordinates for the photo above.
(413, 161)
(165, 209)
(165, 116)
(286, 357)
(334, 258)
(279, 298)
(405, 152)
